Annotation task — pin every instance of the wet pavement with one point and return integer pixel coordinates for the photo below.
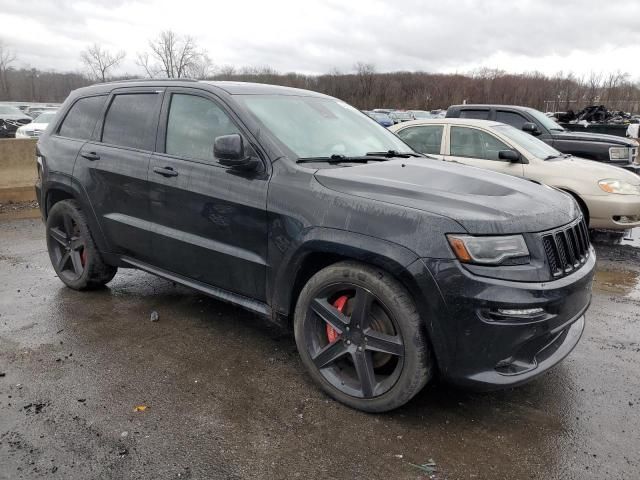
(226, 397)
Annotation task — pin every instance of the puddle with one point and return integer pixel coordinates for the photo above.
(623, 282)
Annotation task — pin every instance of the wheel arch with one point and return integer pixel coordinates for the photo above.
(57, 191)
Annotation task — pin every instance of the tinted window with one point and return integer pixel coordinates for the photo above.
(473, 143)
(477, 114)
(423, 139)
(511, 118)
(131, 120)
(193, 124)
(82, 118)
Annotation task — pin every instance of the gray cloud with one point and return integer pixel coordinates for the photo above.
(319, 35)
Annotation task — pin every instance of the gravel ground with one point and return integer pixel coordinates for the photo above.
(90, 388)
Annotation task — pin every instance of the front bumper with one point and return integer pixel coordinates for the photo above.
(605, 211)
(486, 350)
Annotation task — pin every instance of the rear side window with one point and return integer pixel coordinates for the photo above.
(82, 118)
(423, 139)
(511, 118)
(193, 125)
(131, 120)
(477, 114)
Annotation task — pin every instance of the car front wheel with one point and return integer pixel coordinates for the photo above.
(359, 335)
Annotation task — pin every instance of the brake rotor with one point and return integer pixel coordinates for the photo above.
(379, 321)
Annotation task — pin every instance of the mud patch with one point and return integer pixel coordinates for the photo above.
(621, 282)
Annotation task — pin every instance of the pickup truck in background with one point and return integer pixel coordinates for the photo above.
(619, 151)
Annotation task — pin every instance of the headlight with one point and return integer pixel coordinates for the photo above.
(488, 250)
(619, 153)
(618, 186)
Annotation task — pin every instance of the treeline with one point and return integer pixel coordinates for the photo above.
(179, 56)
(368, 89)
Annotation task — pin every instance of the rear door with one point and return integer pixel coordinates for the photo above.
(479, 148)
(113, 167)
(209, 221)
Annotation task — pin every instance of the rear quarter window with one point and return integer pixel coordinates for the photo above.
(131, 120)
(82, 118)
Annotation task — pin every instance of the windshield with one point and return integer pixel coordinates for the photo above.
(44, 117)
(7, 110)
(546, 122)
(528, 142)
(321, 127)
(400, 115)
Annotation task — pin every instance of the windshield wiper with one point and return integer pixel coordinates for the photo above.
(551, 157)
(336, 158)
(393, 153)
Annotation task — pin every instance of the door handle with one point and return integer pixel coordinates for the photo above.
(90, 156)
(165, 171)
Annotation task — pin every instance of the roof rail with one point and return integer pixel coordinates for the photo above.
(130, 80)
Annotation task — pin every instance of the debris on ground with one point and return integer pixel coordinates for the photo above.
(155, 316)
(17, 206)
(429, 468)
(140, 408)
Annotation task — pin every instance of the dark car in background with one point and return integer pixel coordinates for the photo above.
(391, 267)
(382, 118)
(615, 150)
(11, 118)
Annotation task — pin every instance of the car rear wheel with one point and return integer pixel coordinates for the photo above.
(72, 251)
(359, 335)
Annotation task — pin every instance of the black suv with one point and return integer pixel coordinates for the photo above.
(618, 151)
(392, 267)
(11, 118)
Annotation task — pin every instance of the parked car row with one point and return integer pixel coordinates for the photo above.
(391, 267)
(16, 123)
(608, 196)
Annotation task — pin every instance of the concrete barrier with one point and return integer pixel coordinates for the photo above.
(18, 170)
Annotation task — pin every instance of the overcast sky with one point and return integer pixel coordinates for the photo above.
(316, 36)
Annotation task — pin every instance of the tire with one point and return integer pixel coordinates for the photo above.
(391, 342)
(72, 251)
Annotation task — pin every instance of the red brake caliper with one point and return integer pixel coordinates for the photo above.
(340, 303)
(83, 257)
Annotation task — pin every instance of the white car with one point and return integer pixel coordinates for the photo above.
(35, 128)
(609, 196)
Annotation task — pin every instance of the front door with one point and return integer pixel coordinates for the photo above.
(209, 221)
(114, 168)
(472, 146)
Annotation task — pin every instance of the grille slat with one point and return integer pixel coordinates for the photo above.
(566, 248)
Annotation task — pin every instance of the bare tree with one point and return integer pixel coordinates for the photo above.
(7, 57)
(99, 61)
(174, 56)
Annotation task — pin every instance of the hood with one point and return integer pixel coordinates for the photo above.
(594, 137)
(483, 202)
(598, 170)
(34, 126)
(11, 116)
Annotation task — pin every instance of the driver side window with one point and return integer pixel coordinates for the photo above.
(194, 123)
(473, 143)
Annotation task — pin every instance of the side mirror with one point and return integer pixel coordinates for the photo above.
(510, 155)
(229, 150)
(531, 128)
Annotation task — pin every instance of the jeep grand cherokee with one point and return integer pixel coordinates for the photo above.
(392, 267)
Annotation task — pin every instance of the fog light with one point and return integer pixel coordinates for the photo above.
(626, 218)
(524, 312)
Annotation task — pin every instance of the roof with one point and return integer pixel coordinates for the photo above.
(249, 88)
(231, 88)
(490, 105)
(472, 122)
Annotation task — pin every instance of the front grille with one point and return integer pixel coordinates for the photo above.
(567, 248)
